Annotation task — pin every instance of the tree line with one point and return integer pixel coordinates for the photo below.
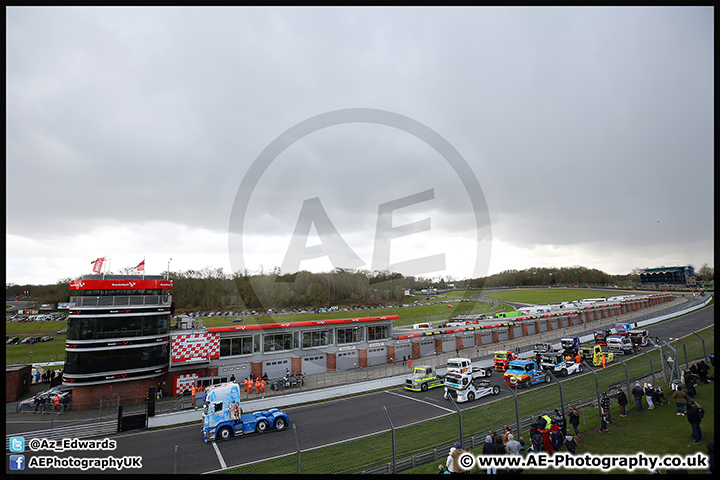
(213, 289)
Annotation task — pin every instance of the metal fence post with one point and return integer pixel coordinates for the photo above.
(452, 400)
(652, 366)
(597, 388)
(175, 461)
(675, 362)
(562, 400)
(297, 446)
(517, 410)
(392, 430)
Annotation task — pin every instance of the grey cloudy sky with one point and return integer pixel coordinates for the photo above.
(129, 132)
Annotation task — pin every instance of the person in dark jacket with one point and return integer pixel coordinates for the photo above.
(638, 393)
(536, 438)
(557, 439)
(694, 418)
(574, 415)
(689, 380)
(623, 402)
(605, 404)
(570, 444)
(489, 448)
(560, 421)
(702, 369)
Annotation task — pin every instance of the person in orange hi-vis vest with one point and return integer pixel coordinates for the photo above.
(57, 402)
(603, 360)
(410, 363)
(262, 385)
(250, 385)
(246, 383)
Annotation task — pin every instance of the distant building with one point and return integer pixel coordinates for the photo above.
(669, 276)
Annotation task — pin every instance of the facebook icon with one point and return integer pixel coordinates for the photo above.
(17, 462)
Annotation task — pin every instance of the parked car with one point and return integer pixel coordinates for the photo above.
(46, 338)
(62, 332)
(30, 340)
(13, 341)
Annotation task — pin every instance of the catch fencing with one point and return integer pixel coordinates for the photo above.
(313, 449)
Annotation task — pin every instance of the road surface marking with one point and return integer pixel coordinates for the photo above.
(422, 401)
(219, 455)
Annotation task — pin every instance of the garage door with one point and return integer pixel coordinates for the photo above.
(503, 335)
(276, 368)
(240, 370)
(449, 344)
(346, 360)
(402, 350)
(468, 341)
(427, 347)
(314, 364)
(377, 355)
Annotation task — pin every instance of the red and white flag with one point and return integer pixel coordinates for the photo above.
(141, 266)
(97, 265)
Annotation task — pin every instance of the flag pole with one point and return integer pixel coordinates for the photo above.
(143, 267)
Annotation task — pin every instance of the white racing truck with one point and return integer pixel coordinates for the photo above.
(464, 365)
(557, 363)
(468, 386)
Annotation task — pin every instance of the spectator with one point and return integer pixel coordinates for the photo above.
(455, 455)
(648, 395)
(638, 393)
(574, 415)
(508, 433)
(681, 399)
(605, 404)
(623, 402)
(604, 423)
(489, 448)
(521, 441)
(449, 461)
(689, 380)
(536, 438)
(570, 444)
(442, 469)
(560, 421)
(695, 413)
(512, 446)
(556, 438)
(702, 369)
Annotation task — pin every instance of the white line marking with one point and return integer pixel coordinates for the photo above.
(219, 455)
(422, 401)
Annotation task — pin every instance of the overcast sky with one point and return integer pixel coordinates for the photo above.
(449, 142)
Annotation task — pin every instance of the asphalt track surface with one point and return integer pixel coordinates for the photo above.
(316, 424)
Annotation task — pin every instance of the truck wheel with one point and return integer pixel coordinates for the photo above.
(261, 426)
(280, 423)
(496, 390)
(547, 378)
(225, 433)
(424, 387)
(471, 396)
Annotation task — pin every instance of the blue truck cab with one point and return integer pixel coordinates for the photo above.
(523, 373)
(223, 418)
